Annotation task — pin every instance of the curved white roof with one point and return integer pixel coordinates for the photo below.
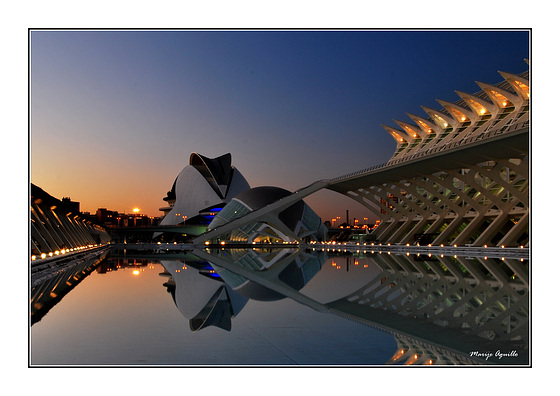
(203, 183)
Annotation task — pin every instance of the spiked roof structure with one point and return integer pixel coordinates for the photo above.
(496, 106)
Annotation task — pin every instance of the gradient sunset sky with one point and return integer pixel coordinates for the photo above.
(114, 115)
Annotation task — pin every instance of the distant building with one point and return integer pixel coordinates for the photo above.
(112, 218)
(70, 205)
(106, 217)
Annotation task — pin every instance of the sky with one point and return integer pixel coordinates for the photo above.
(115, 115)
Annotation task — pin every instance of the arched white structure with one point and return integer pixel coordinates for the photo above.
(460, 177)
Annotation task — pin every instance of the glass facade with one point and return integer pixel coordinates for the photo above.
(234, 210)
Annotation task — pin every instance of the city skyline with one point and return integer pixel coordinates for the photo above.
(114, 115)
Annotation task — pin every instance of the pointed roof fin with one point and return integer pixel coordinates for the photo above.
(216, 171)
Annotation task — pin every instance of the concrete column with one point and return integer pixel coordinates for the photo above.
(516, 231)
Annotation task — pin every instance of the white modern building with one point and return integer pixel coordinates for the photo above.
(296, 223)
(203, 183)
(459, 176)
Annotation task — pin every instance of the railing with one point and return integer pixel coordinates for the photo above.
(483, 136)
(505, 252)
(357, 173)
(463, 142)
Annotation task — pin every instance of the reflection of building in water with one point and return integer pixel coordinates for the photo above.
(294, 270)
(49, 287)
(118, 263)
(210, 295)
(443, 311)
(412, 351)
(455, 302)
(295, 223)
(201, 295)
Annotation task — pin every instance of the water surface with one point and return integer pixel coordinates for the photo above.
(282, 307)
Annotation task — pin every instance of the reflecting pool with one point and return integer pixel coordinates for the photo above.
(282, 307)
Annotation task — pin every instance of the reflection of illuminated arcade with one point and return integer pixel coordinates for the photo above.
(439, 309)
(447, 301)
(49, 287)
(411, 351)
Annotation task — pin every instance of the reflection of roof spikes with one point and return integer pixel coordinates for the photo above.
(478, 105)
(412, 131)
(397, 134)
(442, 120)
(500, 96)
(217, 312)
(460, 113)
(520, 84)
(426, 125)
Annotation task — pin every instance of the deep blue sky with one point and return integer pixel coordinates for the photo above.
(123, 110)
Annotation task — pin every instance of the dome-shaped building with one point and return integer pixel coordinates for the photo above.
(204, 183)
(298, 222)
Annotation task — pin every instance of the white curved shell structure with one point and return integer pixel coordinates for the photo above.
(201, 184)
